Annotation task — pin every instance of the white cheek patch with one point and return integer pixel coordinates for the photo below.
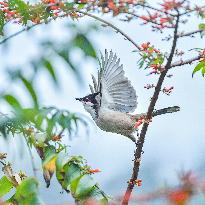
(88, 103)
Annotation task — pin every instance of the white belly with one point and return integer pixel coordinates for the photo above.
(113, 121)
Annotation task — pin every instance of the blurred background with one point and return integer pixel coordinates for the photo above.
(174, 142)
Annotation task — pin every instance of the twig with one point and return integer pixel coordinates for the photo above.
(112, 26)
(85, 13)
(182, 34)
(32, 159)
(150, 21)
(140, 142)
(190, 11)
(184, 62)
(156, 9)
(32, 26)
(17, 33)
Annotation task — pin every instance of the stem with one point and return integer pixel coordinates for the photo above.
(82, 12)
(32, 159)
(189, 33)
(17, 33)
(32, 26)
(140, 142)
(184, 62)
(150, 21)
(112, 26)
(156, 9)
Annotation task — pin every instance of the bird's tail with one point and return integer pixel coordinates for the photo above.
(166, 110)
(157, 112)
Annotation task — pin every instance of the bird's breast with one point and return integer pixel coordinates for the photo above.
(113, 121)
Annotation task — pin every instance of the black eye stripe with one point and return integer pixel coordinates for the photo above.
(91, 98)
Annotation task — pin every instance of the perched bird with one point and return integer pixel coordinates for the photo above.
(113, 97)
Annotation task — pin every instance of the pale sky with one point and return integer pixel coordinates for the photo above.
(173, 142)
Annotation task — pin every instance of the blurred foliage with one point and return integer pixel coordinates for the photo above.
(24, 189)
(44, 127)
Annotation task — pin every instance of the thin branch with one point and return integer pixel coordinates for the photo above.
(84, 13)
(112, 26)
(32, 159)
(184, 62)
(140, 142)
(190, 11)
(17, 33)
(150, 21)
(34, 25)
(182, 34)
(156, 9)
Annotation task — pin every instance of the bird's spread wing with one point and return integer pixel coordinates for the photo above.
(116, 90)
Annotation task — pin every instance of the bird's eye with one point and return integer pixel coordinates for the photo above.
(86, 99)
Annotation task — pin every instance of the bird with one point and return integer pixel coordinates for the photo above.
(113, 99)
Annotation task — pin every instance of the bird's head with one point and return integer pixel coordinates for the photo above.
(90, 102)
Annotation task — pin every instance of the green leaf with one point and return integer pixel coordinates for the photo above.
(66, 57)
(31, 90)
(81, 5)
(62, 160)
(13, 102)
(49, 67)
(27, 193)
(99, 195)
(69, 5)
(203, 71)
(21, 7)
(31, 200)
(202, 26)
(82, 42)
(28, 187)
(85, 185)
(72, 172)
(200, 66)
(5, 186)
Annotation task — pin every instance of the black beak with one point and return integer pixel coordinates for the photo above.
(79, 99)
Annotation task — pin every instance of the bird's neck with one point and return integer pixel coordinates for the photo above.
(93, 110)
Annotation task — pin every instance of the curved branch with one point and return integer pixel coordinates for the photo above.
(140, 141)
(182, 34)
(149, 21)
(184, 62)
(112, 26)
(156, 9)
(84, 13)
(17, 33)
(28, 28)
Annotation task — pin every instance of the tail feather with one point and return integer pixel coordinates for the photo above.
(166, 110)
(157, 112)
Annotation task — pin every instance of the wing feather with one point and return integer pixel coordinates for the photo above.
(116, 90)
(95, 84)
(91, 89)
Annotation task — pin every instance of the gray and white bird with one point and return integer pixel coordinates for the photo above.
(113, 97)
